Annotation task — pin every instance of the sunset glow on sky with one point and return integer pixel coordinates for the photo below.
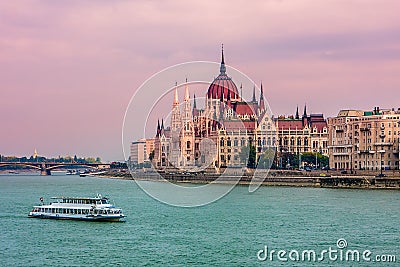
(69, 68)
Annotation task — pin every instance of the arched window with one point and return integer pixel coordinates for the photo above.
(235, 142)
(243, 142)
(222, 142)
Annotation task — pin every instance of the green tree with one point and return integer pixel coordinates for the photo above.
(267, 158)
(90, 160)
(309, 159)
(248, 155)
(151, 156)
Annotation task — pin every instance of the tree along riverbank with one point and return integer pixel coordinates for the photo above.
(363, 180)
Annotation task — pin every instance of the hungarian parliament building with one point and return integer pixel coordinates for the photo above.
(215, 137)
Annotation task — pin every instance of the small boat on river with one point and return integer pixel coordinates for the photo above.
(78, 208)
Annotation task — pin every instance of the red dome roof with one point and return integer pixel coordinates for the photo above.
(222, 86)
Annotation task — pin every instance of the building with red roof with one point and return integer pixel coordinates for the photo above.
(308, 133)
(214, 137)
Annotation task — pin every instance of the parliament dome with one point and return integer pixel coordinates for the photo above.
(222, 86)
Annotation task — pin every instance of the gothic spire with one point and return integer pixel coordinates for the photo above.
(297, 113)
(228, 100)
(222, 68)
(187, 97)
(305, 110)
(254, 94)
(194, 101)
(241, 92)
(158, 128)
(262, 104)
(176, 100)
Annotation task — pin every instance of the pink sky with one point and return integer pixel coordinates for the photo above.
(69, 68)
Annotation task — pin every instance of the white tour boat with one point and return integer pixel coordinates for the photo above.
(78, 208)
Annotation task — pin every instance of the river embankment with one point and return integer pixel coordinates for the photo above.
(322, 179)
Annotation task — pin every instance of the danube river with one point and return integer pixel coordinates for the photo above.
(233, 231)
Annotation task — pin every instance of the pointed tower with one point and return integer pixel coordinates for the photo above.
(222, 68)
(187, 133)
(195, 112)
(254, 100)
(176, 121)
(228, 112)
(305, 117)
(158, 128)
(262, 104)
(297, 113)
(241, 93)
(194, 101)
(228, 101)
(176, 126)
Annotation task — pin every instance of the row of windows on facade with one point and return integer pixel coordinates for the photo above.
(243, 142)
(315, 144)
(302, 132)
(363, 165)
(369, 126)
(369, 141)
(377, 164)
(260, 142)
(369, 133)
(363, 156)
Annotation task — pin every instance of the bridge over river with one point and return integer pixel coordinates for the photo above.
(46, 167)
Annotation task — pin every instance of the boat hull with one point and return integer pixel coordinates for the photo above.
(97, 218)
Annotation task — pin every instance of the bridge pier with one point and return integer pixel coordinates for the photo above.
(45, 172)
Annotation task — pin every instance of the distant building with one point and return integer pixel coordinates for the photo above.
(308, 133)
(364, 140)
(149, 147)
(139, 152)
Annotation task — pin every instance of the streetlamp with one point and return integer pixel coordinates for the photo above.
(300, 160)
(381, 152)
(316, 160)
(351, 160)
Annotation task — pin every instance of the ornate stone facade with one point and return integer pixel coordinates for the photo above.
(364, 140)
(214, 137)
